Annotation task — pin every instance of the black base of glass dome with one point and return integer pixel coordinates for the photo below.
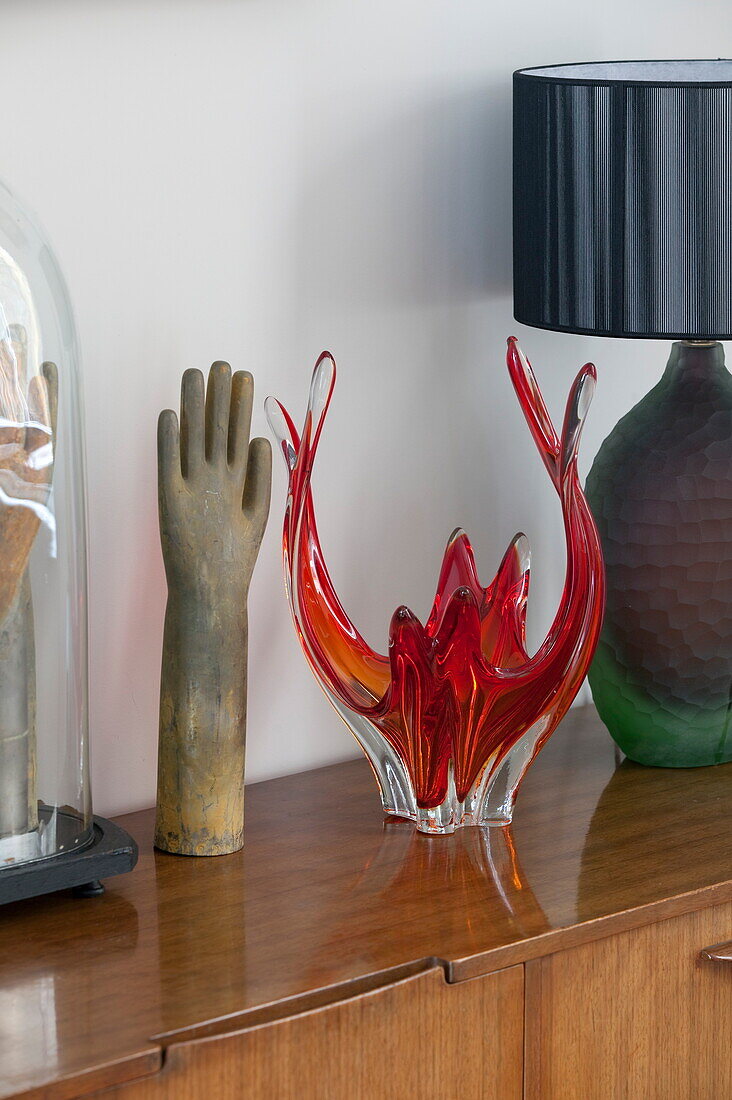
(111, 852)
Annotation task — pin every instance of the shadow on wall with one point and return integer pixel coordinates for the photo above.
(415, 210)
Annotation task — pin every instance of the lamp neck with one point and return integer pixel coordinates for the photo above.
(694, 360)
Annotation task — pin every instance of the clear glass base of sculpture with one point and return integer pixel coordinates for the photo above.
(489, 803)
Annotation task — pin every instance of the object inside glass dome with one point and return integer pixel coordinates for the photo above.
(45, 801)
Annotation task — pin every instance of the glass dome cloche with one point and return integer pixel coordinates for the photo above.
(49, 838)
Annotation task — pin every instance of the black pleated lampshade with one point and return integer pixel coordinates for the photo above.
(623, 198)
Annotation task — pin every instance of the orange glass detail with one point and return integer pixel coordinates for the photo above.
(451, 718)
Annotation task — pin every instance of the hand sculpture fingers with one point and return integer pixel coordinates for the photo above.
(192, 423)
(42, 414)
(50, 373)
(258, 485)
(169, 466)
(26, 456)
(13, 405)
(18, 346)
(240, 419)
(38, 428)
(218, 402)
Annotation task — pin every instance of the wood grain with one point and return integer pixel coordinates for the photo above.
(325, 895)
(417, 1037)
(96, 1077)
(635, 1015)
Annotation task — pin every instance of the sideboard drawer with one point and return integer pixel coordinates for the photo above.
(638, 1015)
(416, 1037)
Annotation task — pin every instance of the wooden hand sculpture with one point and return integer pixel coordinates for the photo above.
(27, 432)
(27, 439)
(214, 492)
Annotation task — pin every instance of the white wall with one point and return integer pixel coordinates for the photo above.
(256, 180)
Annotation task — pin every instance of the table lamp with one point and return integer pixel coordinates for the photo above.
(623, 228)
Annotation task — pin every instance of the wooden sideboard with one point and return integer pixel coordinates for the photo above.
(340, 955)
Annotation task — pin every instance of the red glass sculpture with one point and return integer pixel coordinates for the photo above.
(453, 716)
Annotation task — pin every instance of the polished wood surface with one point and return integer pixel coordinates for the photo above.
(326, 898)
(634, 1015)
(416, 1037)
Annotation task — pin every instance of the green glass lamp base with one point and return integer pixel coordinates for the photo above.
(657, 733)
(661, 492)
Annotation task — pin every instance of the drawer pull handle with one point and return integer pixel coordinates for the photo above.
(718, 952)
